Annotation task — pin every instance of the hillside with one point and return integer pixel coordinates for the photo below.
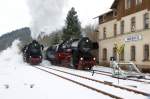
(22, 34)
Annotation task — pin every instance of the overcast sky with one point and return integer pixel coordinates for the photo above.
(15, 14)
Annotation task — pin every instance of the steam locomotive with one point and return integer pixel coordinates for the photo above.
(75, 53)
(32, 53)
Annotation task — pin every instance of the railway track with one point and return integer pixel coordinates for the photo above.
(100, 82)
(81, 84)
(147, 81)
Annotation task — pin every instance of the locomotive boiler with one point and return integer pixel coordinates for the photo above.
(75, 53)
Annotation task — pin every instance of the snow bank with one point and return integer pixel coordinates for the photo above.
(45, 63)
(12, 56)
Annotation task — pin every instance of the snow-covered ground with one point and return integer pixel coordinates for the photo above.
(18, 80)
(145, 87)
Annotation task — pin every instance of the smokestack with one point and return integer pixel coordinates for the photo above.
(47, 16)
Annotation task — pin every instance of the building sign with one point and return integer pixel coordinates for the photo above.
(133, 38)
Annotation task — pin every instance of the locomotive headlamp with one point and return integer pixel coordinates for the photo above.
(81, 58)
(59, 55)
(87, 40)
(94, 58)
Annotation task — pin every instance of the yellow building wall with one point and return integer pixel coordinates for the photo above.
(109, 44)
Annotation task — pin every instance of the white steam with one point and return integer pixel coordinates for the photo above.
(11, 57)
(47, 15)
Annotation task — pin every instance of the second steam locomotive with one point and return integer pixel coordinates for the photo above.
(75, 53)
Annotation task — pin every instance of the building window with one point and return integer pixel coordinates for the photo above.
(114, 13)
(133, 53)
(122, 27)
(146, 52)
(115, 53)
(100, 20)
(104, 18)
(104, 32)
(105, 54)
(128, 4)
(138, 2)
(115, 29)
(146, 21)
(121, 56)
(133, 24)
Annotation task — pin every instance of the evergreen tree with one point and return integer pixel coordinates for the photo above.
(55, 39)
(72, 27)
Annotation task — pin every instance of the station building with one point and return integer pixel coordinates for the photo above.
(128, 22)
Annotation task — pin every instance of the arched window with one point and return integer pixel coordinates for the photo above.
(138, 2)
(105, 54)
(115, 53)
(133, 53)
(128, 4)
(133, 24)
(146, 52)
(115, 29)
(146, 20)
(122, 27)
(104, 32)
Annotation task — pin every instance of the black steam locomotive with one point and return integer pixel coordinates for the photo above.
(32, 53)
(75, 53)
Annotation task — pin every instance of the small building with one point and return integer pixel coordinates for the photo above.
(128, 22)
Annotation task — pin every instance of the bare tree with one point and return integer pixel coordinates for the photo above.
(91, 32)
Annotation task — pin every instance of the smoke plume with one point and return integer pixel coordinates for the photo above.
(47, 16)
